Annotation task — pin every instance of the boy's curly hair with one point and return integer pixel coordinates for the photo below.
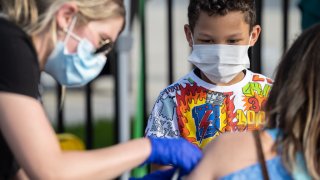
(221, 8)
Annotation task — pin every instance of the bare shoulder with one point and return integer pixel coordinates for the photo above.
(227, 153)
(231, 152)
(227, 142)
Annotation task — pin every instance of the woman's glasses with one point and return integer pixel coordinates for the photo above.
(105, 47)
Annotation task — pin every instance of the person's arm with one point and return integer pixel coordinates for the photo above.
(230, 152)
(35, 146)
(31, 138)
(162, 122)
(20, 175)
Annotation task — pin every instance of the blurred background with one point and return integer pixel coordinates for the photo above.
(103, 112)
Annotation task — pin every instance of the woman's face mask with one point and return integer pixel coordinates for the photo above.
(75, 69)
(220, 63)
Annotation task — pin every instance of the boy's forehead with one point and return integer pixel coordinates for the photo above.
(231, 23)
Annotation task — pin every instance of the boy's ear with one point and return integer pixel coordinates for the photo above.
(188, 33)
(256, 30)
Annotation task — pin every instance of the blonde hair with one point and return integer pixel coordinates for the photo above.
(293, 105)
(35, 16)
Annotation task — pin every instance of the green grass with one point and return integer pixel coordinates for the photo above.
(103, 132)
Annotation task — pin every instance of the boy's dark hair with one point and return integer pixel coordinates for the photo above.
(221, 7)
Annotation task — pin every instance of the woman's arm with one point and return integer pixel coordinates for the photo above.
(29, 134)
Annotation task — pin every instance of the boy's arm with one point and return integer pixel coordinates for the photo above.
(163, 123)
(163, 120)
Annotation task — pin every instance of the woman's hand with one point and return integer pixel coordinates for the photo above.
(176, 152)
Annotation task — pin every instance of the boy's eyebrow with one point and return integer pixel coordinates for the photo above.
(235, 35)
(204, 34)
(228, 36)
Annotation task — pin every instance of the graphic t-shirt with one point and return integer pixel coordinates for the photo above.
(199, 111)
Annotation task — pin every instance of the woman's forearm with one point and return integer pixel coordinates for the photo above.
(104, 163)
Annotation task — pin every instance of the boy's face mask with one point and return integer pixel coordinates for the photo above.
(220, 63)
(76, 69)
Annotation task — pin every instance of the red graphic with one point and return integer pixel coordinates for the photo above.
(270, 81)
(263, 105)
(205, 123)
(254, 104)
(257, 78)
(231, 114)
(189, 94)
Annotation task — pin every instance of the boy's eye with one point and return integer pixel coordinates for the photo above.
(233, 41)
(206, 41)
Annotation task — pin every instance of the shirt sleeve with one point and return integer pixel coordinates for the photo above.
(162, 121)
(19, 70)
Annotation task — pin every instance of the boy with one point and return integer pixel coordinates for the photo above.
(220, 94)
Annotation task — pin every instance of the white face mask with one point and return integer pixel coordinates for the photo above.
(220, 63)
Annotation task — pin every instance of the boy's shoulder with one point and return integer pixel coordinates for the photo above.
(259, 78)
(182, 82)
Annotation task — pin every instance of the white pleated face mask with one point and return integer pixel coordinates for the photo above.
(220, 63)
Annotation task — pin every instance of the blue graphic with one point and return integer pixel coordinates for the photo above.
(206, 118)
(168, 108)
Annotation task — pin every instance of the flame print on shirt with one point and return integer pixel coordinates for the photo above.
(189, 96)
(204, 114)
(228, 115)
(198, 112)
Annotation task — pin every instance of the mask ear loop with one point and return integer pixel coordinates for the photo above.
(192, 39)
(249, 46)
(250, 38)
(69, 31)
(69, 34)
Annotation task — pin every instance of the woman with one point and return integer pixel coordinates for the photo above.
(69, 40)
(291, 143)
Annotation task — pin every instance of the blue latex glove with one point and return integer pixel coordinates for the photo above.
(158, 175)
(176, 152)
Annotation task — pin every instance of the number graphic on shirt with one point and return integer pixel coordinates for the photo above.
(255, 104)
